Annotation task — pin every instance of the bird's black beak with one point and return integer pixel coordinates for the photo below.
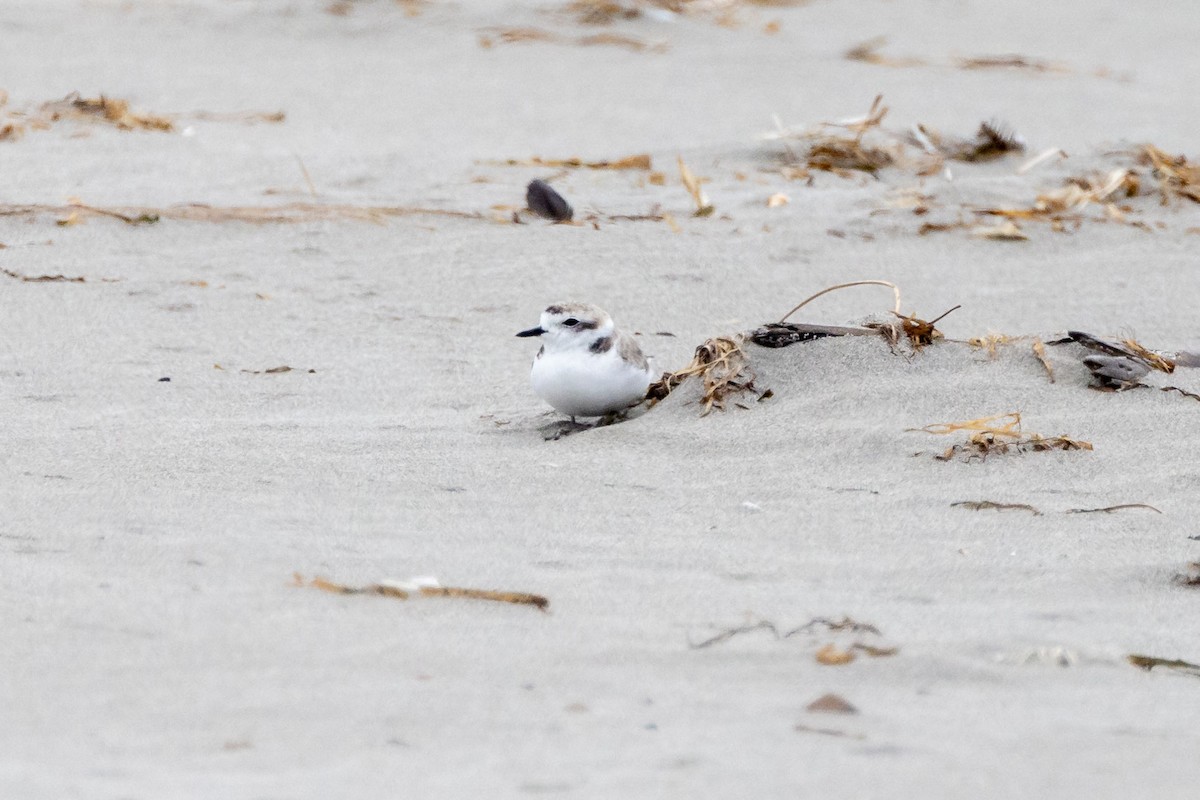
(538, 331)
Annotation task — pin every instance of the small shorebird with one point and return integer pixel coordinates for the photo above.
(586, 367)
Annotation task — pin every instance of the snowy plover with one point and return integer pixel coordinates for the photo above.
(586, 367)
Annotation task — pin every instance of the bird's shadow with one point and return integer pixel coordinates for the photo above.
(568, 427)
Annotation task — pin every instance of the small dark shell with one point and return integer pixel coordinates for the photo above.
(545, 202)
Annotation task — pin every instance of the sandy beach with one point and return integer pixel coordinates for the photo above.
(338, 188)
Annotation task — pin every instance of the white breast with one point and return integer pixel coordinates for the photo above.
(580, 383)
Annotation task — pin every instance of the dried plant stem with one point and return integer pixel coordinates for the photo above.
(895, 291)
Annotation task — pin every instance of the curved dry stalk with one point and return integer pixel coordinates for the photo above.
(895, 291)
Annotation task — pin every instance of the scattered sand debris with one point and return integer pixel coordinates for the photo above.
(1192, 395)
(813, 626)
(517, 35)
(640, 161)
(244, 117)
(831, 704)
(1177, 177)
(1191, 577)
(105, 109)
(1075, 196)
(993, 140)
(1150, 662)
(839, 153)
(1006, 231)
(778, 199)
(832, 656)
(837, 147)
(721, 364)
(542, 200)
(800, 727)
(991, 343)
(940, 227)
(1039, 352)
(1010, 62)
(695, 188)
(426, 587)
(982, 505)
(411, 8)
(722, 12)
(918, 331)
(873, 651)
(783, 334)
(1041, 158)
(602, 12)
(43, 278)
(1156, 361)
(278, 370)
(998, 434)
(1111, 509)
(868, 53)
(258, 215)
(1119, 365)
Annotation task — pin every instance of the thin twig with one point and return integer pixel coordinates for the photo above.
(895, 290)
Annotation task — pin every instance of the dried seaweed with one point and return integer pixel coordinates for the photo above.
(868, 53)
(1150, 662)
(800, 727)
(1111, 509)
(518, 35)
(845, 624)
(1039, 352)
(695, 188)
(1009, 62)
(991, 343)
(920, 332)
(721, 364)
(244, 117)
(259, 215)
(1006, 231)
(43, 278)
(997, 435)
(839, 147)
(1177, 177)
(109, 110)
(278, 370)
(981, 505)
(993, 140)
(1075, 196)
(1192, 395)
(602, 12)
(394, 589)
(641, 161)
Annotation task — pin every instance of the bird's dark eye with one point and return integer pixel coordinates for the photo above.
(570, 322)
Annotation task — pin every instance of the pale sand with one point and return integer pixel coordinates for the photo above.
(153, 647)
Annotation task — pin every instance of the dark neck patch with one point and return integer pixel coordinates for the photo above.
(602, 345)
